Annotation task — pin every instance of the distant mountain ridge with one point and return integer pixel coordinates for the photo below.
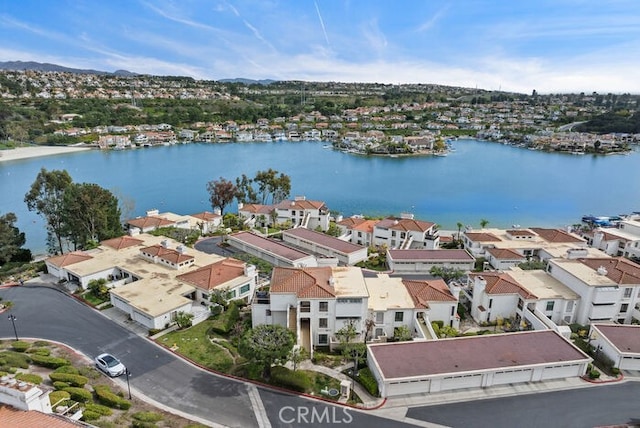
(43, 66)
(248, 81)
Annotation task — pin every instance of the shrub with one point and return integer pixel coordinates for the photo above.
(20, 346)
(57, 396)
(67, 369)
(142, 424)
(72, 379)
(60, 385)
(594, 374)
(79, 394)
(28, 377)
(41, 343)
(147, 417)
(365, 377)
(108, 398)
(90, 415)
(48, 361)
(98, 408)
(615, 371)
(39, 351)
(285, 378)
(13, 359)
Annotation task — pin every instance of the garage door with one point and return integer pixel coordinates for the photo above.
(461, 381)
(559, 372)
(512, 376)
(403, 388)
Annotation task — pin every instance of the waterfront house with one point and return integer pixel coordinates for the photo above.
(406, 233)
(421, 261)
(271, 251)
(323, 245)
(357, 229)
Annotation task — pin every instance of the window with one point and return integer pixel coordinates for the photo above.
(323, 339)
(323, 322)
(231, 294)
(627, 292)
(268, 312)
(399, 316)
(379, 318)
(305, 306)
(453, 310)
(324, 307)
(550, 305)
(520, 303)
(490, 303)
(245, 288)
(570, 306)
(624, 307)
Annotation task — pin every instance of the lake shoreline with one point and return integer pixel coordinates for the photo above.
(20, 153)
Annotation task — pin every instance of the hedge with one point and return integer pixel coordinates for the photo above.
(108, 398)
(67, 369)
(283, 377)
(147, 417)
(14, 359)
(98, 408)
(56, 396)
(225, 321)
(29, 377)
(49, 362)
(60, 385)
(71, 379)
(39, 351)
(365, 377)
(90, 415)
(20, 346)
(79, 394)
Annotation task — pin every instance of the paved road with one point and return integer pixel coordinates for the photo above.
(605, 405)
(43, 312)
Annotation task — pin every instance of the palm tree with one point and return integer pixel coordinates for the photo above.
(460, 225)
(483, 223)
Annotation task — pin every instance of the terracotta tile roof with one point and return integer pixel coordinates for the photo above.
(482, 237)
(300, 204)
(213, 275)
(304, 282)
(405, 224)
(425, 291)
(520, 232)
(122, 242)
(323, 239)
(257, 208)
(619, 269)
(69, 258)
(168, 254)
(555, 235)
(502, 283)
(150, 221)
(365, 226)
(465, 354)
(505, 254)
(430, 255)
(351, 222)
(606, 236)
(11, 417)
(206, 216)
(624, 337)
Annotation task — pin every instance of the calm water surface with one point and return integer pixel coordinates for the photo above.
(502, 184)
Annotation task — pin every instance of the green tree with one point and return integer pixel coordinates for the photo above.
(221, 193)
(402, 333)
(460, 226)
(184, 319)
(446, 273)
(99, 288)
(272, 187)
(45, 197)
(266, 345)
(90, 214)
(483, 223)
(11, 239)
(245, 193)
(298, 354)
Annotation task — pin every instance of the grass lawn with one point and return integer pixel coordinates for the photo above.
(93, 299)
(194, 344)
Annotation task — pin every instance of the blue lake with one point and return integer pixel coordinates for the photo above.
(503, 184)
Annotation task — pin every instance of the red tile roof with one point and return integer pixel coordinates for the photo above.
(482, 237)
(505, 254)
(213, 275)
(168, 254)
(624, 337)
(69, 258)
(464, 354)
(556, 235)
(520, 232)
(300, 204)
(425, 291)
(257, 208)
(206, 216)
(365, 226)
(304, 282)
(122, 242)
(150, 221)
(11, 417)
(619, 269)
(502, 283)
(351, 222)
(405, 224)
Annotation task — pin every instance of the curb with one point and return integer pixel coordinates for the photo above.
(598, 381)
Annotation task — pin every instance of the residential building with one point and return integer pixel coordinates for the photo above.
(303, 212)
(432, 366)
(357, 229)
(406, 233)
(421, 261)
(620, 343)
(323, 245)
(270, 250)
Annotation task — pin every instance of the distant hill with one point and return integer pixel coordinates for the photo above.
(612, 122)
(43, 66)
(248, 81)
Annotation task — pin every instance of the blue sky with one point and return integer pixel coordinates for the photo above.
(513, 45)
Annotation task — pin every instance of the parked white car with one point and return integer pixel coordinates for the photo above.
(110, 365)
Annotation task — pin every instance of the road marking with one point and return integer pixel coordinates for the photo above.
(258, 407)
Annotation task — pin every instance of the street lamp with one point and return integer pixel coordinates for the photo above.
(13, 321)
(127, 373)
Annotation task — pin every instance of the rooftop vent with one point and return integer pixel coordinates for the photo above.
(602, 271)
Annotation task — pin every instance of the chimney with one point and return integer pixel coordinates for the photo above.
(180, 249)
(164, 243)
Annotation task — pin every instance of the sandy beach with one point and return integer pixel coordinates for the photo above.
(37, 151)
